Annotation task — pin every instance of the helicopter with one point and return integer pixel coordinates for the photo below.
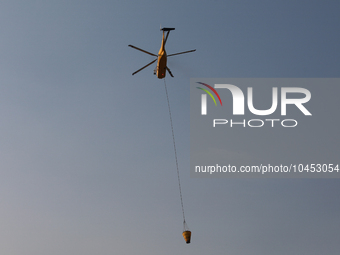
(161, 68)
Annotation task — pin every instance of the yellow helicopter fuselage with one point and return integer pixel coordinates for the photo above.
(161, 62)
(161, 59)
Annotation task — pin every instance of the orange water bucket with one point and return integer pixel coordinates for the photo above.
(187, 235)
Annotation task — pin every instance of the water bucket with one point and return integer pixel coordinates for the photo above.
(187, 235)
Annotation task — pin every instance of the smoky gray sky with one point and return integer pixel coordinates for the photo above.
(86, 155)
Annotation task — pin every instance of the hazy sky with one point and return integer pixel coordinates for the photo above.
(86, 154)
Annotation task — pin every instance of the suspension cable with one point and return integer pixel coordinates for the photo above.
(173, 139)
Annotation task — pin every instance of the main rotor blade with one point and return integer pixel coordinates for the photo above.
(181, 53)
(142, 50)
(167, 68)
(145, 66)
(166, 38)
